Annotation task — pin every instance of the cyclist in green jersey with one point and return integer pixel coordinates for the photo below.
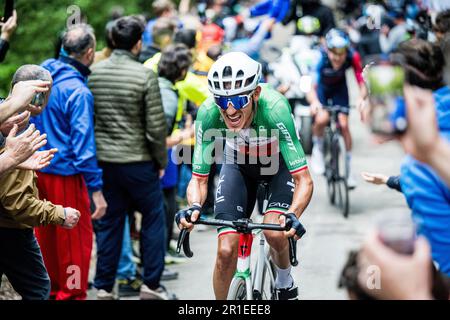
(261, 146)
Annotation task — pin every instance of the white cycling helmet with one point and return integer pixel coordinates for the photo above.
(234, 73)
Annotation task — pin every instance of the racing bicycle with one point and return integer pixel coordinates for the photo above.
(247, 284)
(336, 167)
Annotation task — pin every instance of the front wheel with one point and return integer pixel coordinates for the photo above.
(238, 290)
(341, 187)
(342, 196)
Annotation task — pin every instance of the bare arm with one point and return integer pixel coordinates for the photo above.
(422, 140)
(303, 191)
(439, 159)
(197, 190)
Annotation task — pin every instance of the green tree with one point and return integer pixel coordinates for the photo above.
(40, 22)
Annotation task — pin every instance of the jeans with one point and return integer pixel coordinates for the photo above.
(124, 186)
(21, 261)
(127, 268)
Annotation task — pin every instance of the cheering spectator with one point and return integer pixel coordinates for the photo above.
(73, 175)
(20, 211)
(22, 147)
(8, 29)
(427, 194)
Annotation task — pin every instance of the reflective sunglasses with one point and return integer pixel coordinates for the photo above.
(237, 102)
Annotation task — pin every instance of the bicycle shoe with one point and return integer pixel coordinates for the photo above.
(286, 293)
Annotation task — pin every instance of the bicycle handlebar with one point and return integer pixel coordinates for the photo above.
(241, 226)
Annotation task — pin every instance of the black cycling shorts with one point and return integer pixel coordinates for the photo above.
(237, 190)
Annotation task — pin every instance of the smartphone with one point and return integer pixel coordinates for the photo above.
(9, 8)
(38, 99)
(387, 114)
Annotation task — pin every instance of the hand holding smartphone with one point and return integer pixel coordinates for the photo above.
(9, 8)
(387, 115)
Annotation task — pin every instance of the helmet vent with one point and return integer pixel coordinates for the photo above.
(215, 75)
(227, 72)
(217, 85)
(238, 84)
(249, 80)
(240, 74)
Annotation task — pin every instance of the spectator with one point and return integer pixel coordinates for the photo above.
(427, 194)
(20, 98)
(393, 182)
(173, 67)
(73, 175)
(312, 8)
(163, 31)
(441, 29)
(20, 211)
(160, 8)
(442, 25)
(106, 52)
(391, 38)
(131, 132)
(20, 148)
(422, 140)
(8, 29)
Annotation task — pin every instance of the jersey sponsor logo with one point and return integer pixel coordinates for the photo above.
(219, 196)
(287, 136)
(240, 209)
(196, 167)
(199, 133)
(293, 163)
(291, 184)
(278, 205)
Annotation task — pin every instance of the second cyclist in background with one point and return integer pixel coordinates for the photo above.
(331, 88)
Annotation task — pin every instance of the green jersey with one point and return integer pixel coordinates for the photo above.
(272, 131)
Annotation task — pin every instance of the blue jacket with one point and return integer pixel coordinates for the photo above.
(427, 194)
(68, 121)
(277, 9)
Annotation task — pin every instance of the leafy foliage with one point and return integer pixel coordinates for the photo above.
(40, 22)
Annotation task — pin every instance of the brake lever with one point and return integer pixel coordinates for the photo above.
(293, 251)
(183, 240)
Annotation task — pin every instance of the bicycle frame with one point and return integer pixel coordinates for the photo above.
(254, 282)
(243, 268)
